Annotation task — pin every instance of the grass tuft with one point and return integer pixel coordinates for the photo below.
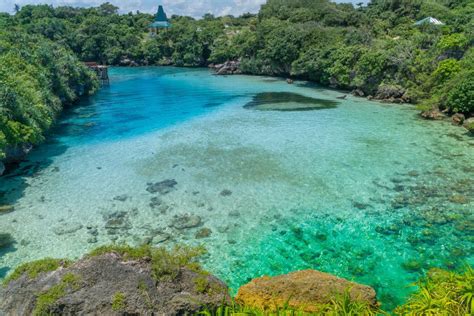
(47, 299)
(442, 293)
(34, 268)
(165, 263)
(119, 301)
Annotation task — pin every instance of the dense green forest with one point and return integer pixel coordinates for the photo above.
(375, 50)
(37, 78)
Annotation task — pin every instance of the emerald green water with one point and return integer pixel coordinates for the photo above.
(364, 190)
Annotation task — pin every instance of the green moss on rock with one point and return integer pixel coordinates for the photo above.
(47, 299)
(119, 301)
(165, 263)
(34, 268)
(125, 251)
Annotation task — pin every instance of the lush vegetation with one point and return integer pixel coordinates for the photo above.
(375, 49)
(46, 299)
(439, 293)
(37, 77)
(442, 293)
(165, 263)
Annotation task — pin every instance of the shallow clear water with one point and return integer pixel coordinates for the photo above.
(364, 190)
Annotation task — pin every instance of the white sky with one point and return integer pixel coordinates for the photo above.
(195, 8)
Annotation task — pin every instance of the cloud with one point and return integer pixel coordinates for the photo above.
(195, 8)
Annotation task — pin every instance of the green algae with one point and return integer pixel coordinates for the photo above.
(287, 101)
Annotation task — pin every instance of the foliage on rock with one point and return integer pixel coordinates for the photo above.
(34, 268)
(442, 293)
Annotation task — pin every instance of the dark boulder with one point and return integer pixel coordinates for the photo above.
(469, 125)
(391, 93)
(358, 93)
(433, 114)
(185, 221)
(231, 67)
(17, 153)
(112, 284)
(163, 187)
(458, 119)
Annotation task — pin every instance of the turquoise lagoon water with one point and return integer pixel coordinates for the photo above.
(364, 190)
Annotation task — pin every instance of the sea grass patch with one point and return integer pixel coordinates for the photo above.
(288, 101)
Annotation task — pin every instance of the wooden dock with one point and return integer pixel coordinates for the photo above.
(102, 71)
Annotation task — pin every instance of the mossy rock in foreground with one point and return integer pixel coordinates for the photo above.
(115, 279)
(308, 291)
(287, 101)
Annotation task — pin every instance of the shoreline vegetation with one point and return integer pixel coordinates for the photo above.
(375, 51)
(119, 279)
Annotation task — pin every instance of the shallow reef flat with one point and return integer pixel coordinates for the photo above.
(363, 190)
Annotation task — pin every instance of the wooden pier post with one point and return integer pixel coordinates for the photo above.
(102, 71)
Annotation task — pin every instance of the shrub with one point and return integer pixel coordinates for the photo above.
(446, 69)
(442, 293)
(461, 97)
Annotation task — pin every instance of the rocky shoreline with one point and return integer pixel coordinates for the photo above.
(385, 93)
(120, 280)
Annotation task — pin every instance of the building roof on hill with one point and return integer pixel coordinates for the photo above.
(161, 20)
(161, 15)
(429, 20)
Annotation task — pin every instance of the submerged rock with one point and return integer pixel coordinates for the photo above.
(5, 209)
(117, 222)
(226, 193)
(186, 221)
(111, 284)
(6, 240)
(121, 198)
(203, 233)
(160, 237)
(306, 291)
(163, 187)
(287, 101)
(67, 228)
(155, 202)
